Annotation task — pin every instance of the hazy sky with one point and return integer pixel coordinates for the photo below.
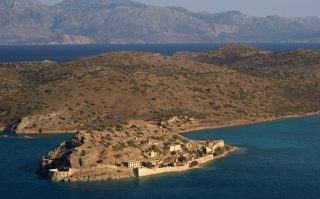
(291, 8)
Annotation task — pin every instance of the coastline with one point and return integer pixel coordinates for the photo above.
(102, 173)
(201, 126)
(210, 126)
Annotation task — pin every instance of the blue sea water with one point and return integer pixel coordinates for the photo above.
(16, 53)
(279, 159)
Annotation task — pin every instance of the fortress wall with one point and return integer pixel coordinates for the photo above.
(56, 175)
(101, 174)
(219, 144)
(204, 159)
(146, 171)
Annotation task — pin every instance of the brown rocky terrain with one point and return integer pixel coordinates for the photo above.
(236, 82)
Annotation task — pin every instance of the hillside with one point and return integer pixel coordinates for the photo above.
(235, 83)
(125, 21)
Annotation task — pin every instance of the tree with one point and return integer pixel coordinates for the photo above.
(149, 165)
(194, 163)
(182, 159)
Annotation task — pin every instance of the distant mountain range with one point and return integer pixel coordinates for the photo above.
(125, 21)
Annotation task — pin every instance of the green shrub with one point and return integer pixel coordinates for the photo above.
(194, 163)
(219, 151)
(182, 159)
(149, 165)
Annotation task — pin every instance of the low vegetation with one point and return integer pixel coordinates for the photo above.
(106, 91)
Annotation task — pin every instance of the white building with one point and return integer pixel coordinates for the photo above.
(208, 150)
(175, 148)
(133, 164)
(219, 144)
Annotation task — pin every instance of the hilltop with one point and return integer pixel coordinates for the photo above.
(125, 21)
(108, 90)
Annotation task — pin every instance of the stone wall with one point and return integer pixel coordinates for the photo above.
(220, 144)
(146, 172)
(101, 173)
(204, 159)
(56, 175)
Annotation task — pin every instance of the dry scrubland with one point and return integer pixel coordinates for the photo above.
(234, 83)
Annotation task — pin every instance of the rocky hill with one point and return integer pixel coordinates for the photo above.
(236, 83)
(125, 21)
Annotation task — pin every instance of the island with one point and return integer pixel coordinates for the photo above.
(135, 150)
(128, 109)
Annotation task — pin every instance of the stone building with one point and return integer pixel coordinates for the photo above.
(133, 164)
(175, 148)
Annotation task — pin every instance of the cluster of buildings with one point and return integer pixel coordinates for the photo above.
(201, 151)
(204, 148)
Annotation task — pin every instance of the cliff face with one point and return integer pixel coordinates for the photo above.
(107, 21)
(234, 82)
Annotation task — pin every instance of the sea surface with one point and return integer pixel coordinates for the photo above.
(279, 159)
(16, 53)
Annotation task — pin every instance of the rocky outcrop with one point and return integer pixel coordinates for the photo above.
(43, 123)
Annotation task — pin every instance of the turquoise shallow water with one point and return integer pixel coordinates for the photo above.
(278, 159)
